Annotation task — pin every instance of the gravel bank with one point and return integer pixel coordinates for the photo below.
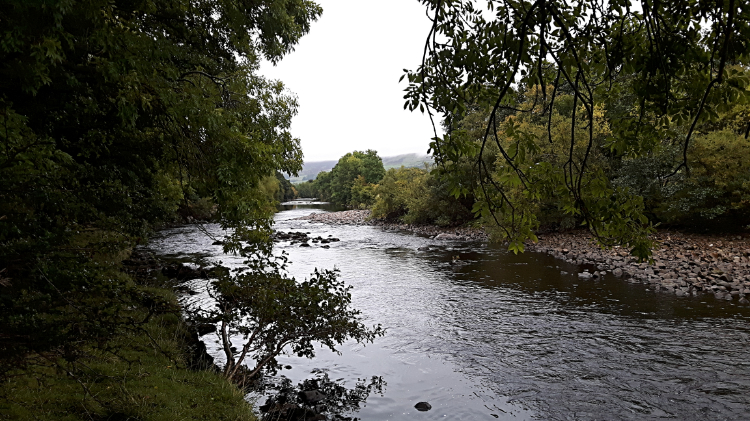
(360, 217)
(684, 264)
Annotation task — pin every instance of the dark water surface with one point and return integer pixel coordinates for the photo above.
(499, 336)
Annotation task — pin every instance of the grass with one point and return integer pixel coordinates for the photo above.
(142, 376)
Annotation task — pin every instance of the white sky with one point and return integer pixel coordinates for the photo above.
(345, 73)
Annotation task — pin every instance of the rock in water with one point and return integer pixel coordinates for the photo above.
(423, 406)
(446, 236)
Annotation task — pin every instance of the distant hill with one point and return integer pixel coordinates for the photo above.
(310, 170)
(407, 160)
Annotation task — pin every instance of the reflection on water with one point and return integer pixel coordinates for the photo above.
(493, 335)
(318, 396)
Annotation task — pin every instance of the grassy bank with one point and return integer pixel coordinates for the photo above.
(143, 374)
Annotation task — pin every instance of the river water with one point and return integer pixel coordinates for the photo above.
(480, 333)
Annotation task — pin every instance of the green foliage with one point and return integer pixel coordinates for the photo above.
(416, 196)
(715, 194)
(659, 70)
(272, 314)
(350, 182)
(306, 189)
(286, 190)
(113, 113)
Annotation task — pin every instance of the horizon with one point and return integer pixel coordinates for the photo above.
(305, 161)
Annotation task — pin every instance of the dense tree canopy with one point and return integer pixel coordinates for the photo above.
(631, 79)
(350, 182)
(112, 114)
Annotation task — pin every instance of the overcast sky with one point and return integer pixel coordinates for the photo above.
(345, 73)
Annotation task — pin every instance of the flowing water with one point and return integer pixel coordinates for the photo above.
(480, 333)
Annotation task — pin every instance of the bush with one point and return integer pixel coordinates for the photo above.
(415, 196)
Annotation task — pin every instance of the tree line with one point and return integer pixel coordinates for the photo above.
(657, 72)
(714, 194)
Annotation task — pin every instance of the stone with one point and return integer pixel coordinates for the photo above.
(446, 236)
(585, 275)
(423, 406)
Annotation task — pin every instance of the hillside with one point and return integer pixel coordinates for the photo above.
(407, 160)
(310, 170)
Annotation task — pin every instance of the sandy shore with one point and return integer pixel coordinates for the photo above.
(684, 264)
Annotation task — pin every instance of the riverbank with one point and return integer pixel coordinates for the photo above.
(153, 368)
(362, 217)
(684, 264)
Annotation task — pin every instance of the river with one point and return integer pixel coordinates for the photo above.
(480, 333)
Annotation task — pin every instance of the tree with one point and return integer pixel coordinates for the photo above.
(272, 313)
(349, 168)
(351, 181)
(112, 114)
(417, 196)
(658, 68)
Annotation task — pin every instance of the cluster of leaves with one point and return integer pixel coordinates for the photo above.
(418, 196)
(715, 194)
(659, 69)
(351, 182)
(113, 113)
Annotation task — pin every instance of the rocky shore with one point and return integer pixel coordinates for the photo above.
(362, 217)
(683, 264)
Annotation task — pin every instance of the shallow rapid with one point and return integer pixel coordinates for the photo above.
(480, 333)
